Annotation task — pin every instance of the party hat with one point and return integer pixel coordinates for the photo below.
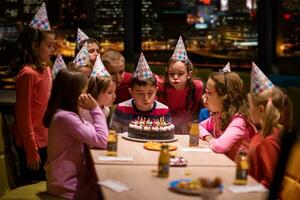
(58, 65)
(40, 20)
(259, 81)
(226, 68)
(82, 57)
(180, 52)
(99, 69)
(81, 36)
(143, 70)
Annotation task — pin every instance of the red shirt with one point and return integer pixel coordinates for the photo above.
(176, 101)
(263, 155)
(32, 93)
(122, 93)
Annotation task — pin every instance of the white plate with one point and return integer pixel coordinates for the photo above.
(125, 136)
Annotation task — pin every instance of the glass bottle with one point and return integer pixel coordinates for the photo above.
(194, 135)
(112, 143)
(242, 167)
(164, 161)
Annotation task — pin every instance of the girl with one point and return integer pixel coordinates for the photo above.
(66, 167)
(33, 85)
(227, 130)
(181, 94)
(103, 90)
(271, 110)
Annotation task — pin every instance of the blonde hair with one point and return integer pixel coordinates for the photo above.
(277, 109)
(98, 85)
(111, 56)
(231, 89)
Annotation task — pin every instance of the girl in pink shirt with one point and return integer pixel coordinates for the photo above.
(228, 130)
(270, 110)
(180, 93)
(67, 165)
(33, 85)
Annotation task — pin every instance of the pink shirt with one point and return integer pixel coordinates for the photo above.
(65, 168)
(236, 136)
(32, 93)
(263, 156)
(176, 101)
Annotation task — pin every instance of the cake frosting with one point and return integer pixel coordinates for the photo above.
(146, 128)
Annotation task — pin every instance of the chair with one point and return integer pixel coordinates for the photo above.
(33, 192)
(286, 182)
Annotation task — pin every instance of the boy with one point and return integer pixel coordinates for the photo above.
(115, 65)
(143, 90)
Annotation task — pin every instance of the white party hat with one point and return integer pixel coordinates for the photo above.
(259, 81)
(81, 36)
(40, 20)
(82, 57)
(99, 69)
(58, 65)
(143, 70)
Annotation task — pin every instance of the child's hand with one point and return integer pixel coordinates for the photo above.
(86, 101)
(34, 165)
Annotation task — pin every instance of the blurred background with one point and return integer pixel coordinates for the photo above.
(215, 32)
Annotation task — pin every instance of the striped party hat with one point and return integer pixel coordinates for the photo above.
(143, 70)
(226, 68)
(81, 36)
(58, 65)
(40, 20)
(82, 57)
(180, 52)
(259, 81)
(99, 69)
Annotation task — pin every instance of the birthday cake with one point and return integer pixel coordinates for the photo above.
(155, 129)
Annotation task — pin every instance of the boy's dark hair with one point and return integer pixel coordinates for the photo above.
(66, 89)
(24, 53)
(136, 81)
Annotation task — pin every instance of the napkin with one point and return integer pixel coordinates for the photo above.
(247, 188)
(195, 149)
(114, 185)
(116, 158)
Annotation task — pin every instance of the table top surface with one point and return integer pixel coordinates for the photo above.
(195, 156)
(144, 184)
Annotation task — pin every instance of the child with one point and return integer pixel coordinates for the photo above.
(227, 130)
(180, 93)
(82, 62)
(66, 167)
(269, 108)
(143, 91)
(102, 88)
(115, 65)
(92, 45)
(33, 85)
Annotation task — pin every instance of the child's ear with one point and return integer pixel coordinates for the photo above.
(189, 75)
(130, 91)
(34, 45)
(261, 108)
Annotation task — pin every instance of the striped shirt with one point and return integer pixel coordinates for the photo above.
(126, 111)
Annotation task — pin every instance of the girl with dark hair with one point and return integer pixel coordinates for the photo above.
(66, 166)
(180, 93)
(33, 85)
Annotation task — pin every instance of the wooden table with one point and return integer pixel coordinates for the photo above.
(142, 156)
(144, 185)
